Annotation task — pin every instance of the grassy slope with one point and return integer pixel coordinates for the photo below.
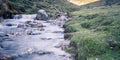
(95, 33)
(32, 6)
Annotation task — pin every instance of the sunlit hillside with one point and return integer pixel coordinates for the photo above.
(82, 2)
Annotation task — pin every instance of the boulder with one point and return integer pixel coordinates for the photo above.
(10, 24)
(44, 52)
(42, 15)
(20, 26)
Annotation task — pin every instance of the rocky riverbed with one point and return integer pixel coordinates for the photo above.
(29, 39)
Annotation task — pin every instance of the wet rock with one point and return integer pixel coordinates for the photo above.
(58, 32)
(34, 25)
(28, 22)
(5, 56)
(58, 46)
(57, 14)
(9, 24)
(37, 26)
(31, 33)
(12, 34)
(41, 29)
(62, 55)
(42, 15)
(40, 25)
(44, 53)
(46, 38)
(20, 26)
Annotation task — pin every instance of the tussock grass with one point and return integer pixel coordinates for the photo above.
(97, 33)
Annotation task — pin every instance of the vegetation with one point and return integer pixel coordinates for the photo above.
(110, 2)
(32, 6)
(95, 33)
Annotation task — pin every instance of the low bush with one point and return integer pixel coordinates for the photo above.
(70, 29)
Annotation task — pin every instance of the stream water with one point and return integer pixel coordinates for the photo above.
(29, 39)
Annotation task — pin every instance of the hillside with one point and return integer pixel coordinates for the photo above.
(94, 33)
(9, 8)
(52, 6)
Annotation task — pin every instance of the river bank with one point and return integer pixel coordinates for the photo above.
(94, 33)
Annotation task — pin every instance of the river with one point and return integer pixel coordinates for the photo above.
(29, 39)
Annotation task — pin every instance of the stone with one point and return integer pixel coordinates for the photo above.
(28, 22)
(20, 26)
(36, 25)
(57, 46)
(9, 24)
(44, 52)
(42, 15)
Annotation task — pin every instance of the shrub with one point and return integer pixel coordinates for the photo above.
(91, 16)
(68, 36)
(69, 29)
(86, 25)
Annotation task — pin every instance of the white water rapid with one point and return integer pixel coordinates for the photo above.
(29, 39)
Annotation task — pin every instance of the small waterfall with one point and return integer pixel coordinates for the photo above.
(32, 16)
(17, 17)
(25, 16)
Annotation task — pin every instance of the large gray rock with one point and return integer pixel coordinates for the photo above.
(42, 15)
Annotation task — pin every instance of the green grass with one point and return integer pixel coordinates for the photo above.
(51, 6)
(95, 33)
